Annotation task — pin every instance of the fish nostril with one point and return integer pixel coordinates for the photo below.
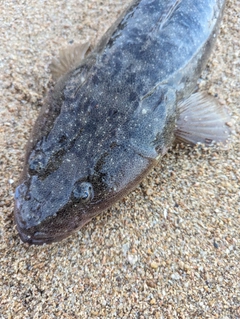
(37, 162)
(27, 197)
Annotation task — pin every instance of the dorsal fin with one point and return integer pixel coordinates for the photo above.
(69, 59)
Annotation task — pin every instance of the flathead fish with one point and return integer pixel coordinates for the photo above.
(114, 112)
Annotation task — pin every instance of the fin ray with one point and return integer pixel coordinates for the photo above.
(202, 120)
(69, 59)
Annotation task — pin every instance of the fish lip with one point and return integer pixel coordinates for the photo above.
(33, 237)
(37, 238)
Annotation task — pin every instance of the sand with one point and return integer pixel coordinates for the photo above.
(170, 249)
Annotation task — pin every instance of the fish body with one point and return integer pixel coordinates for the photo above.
(107, 122)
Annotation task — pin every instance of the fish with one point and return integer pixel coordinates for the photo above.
(113, 113)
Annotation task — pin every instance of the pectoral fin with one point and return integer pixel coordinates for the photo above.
(69, 59)
(202, 120)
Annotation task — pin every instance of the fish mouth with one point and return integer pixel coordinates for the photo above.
(37, 238)
(32, 235)
(33, 231)
(33, 239)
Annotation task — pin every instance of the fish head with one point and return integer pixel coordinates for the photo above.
(54, 201)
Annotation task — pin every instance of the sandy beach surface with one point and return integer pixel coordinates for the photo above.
(171, 248)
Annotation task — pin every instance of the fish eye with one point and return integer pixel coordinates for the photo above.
(82, 192)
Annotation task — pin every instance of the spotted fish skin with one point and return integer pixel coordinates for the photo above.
(106, 123)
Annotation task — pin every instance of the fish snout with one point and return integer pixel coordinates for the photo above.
(32, 235)
(27, 217)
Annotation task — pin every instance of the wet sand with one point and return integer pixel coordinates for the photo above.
(170, 249)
